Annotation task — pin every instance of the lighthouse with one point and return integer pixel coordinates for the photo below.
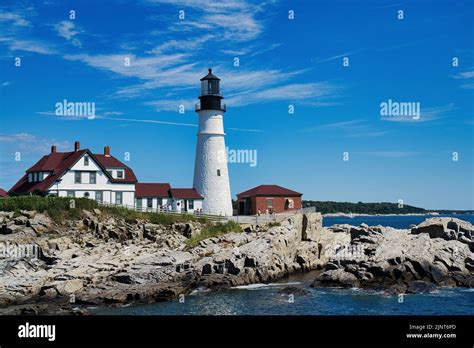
(211, 176)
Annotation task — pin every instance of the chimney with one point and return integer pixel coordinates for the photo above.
(107, 151)
(53, 149)
(77, 146)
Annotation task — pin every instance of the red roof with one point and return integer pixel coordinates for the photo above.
(269, 190)
(3, 193)
(111, 162)
(152, 190)
(58, 163)
(185, 193)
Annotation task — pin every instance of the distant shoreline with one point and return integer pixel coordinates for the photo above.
(407, 214)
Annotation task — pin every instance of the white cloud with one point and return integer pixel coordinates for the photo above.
(466, 75)
(13, 29)
(227, 20)
(388, 154)
(68, 30)
(334, 57)
(315, 93)
(357, 128)
(174, 65)
(145, 68)
(181, 45)
(29, 144)
(426, 114)
(13, 19)
(33, 46)
(172, 104)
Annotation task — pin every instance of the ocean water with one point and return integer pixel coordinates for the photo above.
(394, 221)
(268, 299)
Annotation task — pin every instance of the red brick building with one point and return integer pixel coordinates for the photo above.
(273, 198)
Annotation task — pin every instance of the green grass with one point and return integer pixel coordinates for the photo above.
(65, 208)
(154, 218)
(58, 208)
(215, 230)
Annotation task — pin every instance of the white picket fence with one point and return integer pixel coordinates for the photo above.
(241, 219)
(163, 211)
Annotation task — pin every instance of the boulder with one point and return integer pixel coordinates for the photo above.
(312, 223)
(293, 290)
(419, 287)
(28, 213)
(336, 278)
(8, 215)
(21, 220)
(447, 229)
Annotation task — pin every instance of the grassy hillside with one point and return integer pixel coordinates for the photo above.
(63, 208)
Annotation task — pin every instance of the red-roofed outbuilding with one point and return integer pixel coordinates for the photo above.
(268, 198)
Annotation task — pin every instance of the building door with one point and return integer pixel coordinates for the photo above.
(241, 208)
(185, 205)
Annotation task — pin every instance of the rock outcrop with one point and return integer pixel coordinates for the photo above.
(447, 229)
(102, 259)
(436, 252)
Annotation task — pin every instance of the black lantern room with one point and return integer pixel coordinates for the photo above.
(210, 95)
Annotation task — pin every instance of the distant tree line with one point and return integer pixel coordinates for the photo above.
(362, 208)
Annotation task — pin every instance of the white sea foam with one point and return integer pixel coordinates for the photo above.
(263, 286)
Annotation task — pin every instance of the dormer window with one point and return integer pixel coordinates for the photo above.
(86, 160)
(119, 174)
(35, 177)
(30, 177)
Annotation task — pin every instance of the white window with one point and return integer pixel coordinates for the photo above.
(77, 177)
(99, 196)
(92, 178)
(149, 202)
(118, 197)
(269, 202)
(71, 194)
(86, 160)
(119, 174)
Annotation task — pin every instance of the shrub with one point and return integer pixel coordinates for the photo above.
(215, 230)
(58, 208)
(154, 218)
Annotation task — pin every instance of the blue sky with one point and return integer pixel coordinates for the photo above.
(282, 62)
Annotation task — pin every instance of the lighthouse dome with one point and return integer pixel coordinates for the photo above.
(210, 85)
(210, 76)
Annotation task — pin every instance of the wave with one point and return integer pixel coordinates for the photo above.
(259, 286)
(200, 290)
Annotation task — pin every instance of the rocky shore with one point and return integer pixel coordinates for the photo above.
(105, 260)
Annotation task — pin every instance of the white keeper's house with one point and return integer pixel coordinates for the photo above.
(81, 173)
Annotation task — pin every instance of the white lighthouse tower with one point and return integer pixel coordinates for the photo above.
(211, 177)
